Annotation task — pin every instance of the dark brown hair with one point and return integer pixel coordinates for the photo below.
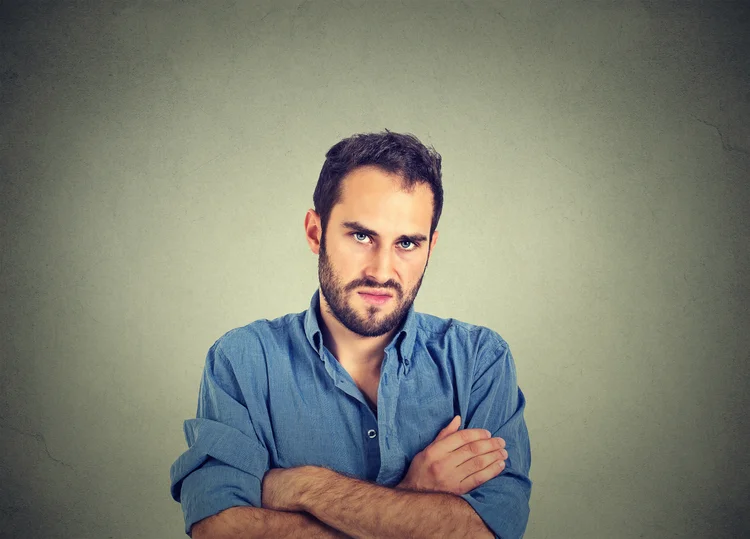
(395, 153)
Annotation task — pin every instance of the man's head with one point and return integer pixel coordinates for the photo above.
(377, 204)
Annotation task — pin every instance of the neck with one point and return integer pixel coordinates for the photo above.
(352, 351)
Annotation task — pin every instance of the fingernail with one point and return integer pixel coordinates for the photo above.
(489, 434)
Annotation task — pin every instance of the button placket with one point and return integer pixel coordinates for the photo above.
(390, 458)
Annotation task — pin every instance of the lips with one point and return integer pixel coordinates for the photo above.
(375, 293)
(375, 299)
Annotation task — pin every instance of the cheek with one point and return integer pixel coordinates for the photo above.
(412, 272)
(415, 265)
(348, 265)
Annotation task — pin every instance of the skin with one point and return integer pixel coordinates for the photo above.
(316, 502)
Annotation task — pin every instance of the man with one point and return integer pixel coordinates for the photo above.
(344, 420)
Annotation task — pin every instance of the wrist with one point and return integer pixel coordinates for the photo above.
(306, 480)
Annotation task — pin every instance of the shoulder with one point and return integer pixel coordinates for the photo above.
(257, 339)
(435, 329)
(467, 348)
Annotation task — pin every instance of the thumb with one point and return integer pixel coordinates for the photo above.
(450, 429)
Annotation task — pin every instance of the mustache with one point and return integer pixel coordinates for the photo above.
(370, 284)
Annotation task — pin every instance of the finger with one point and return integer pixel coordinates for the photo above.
(453, 441)
(482, 476)
(474, 449)
(450, 429)
(480, 462)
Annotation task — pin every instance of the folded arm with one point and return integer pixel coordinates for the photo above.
(226, 463)
(361, 509)
(253, 522)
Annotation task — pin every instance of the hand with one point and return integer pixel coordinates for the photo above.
(456, 462)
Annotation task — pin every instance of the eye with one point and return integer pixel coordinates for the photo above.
(414, 245)
(355, 234)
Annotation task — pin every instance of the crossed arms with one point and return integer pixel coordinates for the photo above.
(310, 501)
(227, 490)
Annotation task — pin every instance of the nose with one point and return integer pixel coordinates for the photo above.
(380, 267)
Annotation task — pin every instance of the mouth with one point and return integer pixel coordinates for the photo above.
(377, 293)
(376, 299)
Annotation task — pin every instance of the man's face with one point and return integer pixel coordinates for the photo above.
(376, 240)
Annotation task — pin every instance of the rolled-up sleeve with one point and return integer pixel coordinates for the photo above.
(497, 404)
(225, 461)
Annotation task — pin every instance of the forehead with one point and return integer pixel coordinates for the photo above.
(378, 199)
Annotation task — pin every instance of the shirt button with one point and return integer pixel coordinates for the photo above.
(371, 433)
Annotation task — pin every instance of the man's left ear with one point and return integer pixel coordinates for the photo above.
(434, 240)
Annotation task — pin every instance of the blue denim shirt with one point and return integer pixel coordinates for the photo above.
(273, 396)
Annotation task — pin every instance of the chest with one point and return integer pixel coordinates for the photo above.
(368, 385)
(320, 418)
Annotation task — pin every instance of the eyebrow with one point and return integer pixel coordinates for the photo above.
(359, 227)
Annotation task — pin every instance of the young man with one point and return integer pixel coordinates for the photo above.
(344, 420)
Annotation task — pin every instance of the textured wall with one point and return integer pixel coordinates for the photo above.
(157, 159)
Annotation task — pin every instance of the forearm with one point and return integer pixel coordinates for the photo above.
(362, 509)
(252, 522)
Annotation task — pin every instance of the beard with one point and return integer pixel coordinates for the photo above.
(372, 323)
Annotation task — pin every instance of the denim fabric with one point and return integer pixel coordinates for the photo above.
(273, 396)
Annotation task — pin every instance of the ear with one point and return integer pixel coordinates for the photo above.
(434, 241)
(313, 231)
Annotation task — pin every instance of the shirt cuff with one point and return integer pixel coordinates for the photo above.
(213, 488)
(506, 519)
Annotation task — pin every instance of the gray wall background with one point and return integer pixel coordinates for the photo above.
(157, 159)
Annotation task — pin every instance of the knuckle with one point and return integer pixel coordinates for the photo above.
(466, 435)
(435, 467)
(476, 481)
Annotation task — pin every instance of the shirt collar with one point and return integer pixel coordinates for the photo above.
(403, 339)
